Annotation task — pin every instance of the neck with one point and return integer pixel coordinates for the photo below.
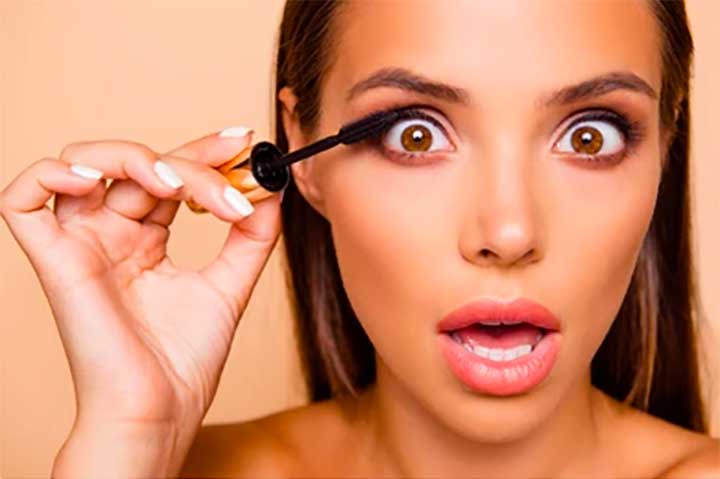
(413, 442)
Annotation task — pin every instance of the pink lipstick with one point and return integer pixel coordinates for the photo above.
(500, 348)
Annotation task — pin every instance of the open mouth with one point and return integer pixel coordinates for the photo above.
(500, 348)
(501, 342)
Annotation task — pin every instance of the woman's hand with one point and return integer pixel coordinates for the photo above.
(146, 341)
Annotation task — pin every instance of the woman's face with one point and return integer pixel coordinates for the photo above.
(499, 201)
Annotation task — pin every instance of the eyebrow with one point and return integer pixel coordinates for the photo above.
(407, 80)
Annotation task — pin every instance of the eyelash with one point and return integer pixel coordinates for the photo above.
(406, 113)
(631, 131)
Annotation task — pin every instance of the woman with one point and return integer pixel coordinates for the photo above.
(499, 285)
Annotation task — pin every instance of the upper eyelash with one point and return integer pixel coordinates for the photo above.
(406, 113)
(631, 130)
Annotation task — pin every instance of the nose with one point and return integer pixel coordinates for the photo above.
(502, 226)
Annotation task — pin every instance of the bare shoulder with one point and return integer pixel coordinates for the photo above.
(275, 445)
(701, 463)
(660, 448)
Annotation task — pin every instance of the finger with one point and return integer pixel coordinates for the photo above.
(138, 182)
(244, 254)
(68, 206)
(123, 160)
(128, 160)
(130, 199)
(23, 201)
(210, 189)
(216, 148)
(163, 214)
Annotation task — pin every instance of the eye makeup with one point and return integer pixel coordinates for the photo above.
(269, 167)
(410, 158)
(632, 133)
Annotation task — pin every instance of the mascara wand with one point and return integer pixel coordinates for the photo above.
(270, 167)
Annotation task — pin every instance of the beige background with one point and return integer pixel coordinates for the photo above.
(162, 72)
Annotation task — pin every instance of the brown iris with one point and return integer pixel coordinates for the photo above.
(587, 140)
(416, 138)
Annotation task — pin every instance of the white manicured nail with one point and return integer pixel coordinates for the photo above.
(249, 182)
(86, 171)
(238, 201)
(235, 132)
(167, 174)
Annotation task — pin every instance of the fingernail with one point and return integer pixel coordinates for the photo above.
(238, 201)
(167, 174)
(86, 171)
(249, 182)
(235, 132)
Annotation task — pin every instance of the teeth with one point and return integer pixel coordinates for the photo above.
(510, 354)
(496, 354)
(523, 349)
(499, 354)
(482, 351)
(513, 321)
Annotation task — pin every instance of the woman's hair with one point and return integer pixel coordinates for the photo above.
(649, 356)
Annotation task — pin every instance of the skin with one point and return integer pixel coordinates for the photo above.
(548, 222)
(500, 214)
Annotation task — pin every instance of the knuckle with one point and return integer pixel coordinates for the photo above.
(214, 174)
(140, 151)
(68, 151)
(190, 170)
(43, 163)
(214, 177)
(131, 150)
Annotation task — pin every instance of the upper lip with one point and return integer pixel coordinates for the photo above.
(494, 312)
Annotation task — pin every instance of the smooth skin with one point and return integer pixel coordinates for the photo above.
(410, 247)
(145, 370)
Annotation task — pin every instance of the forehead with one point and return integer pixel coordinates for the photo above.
(494, 47)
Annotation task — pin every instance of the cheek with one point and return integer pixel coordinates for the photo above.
(396, 242)
(389, 238)
(600, 224)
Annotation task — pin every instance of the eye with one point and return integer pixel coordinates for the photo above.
(416, 137)
(600, 136)
(592, 138)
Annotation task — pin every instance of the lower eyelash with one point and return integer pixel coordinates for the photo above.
(406, 113)
(632, 131)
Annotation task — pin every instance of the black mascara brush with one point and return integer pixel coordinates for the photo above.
(270, 167)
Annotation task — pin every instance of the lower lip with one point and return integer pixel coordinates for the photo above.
(502, 378)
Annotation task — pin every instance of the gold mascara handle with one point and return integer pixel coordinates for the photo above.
(240, 178)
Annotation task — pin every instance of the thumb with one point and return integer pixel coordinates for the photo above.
(248, 245)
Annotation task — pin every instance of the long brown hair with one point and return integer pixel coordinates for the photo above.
(649, 356)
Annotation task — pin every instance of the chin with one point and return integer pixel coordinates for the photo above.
(483, 417)
(489, 419)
